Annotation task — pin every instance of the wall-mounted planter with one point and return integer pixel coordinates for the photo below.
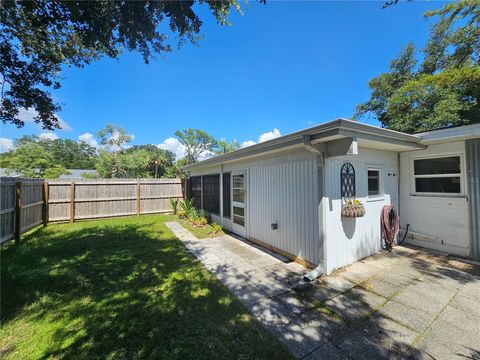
(353, 209)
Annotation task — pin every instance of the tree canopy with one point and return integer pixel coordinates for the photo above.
(68, 153)
(196, 143)
(33, 161)
(441, 90)
(38, 37)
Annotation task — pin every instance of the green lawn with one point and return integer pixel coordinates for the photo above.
(119, 289)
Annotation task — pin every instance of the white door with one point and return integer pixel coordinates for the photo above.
(239, 197)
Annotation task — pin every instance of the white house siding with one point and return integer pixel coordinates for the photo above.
(285, 193)
(348, 240)
(280, 188)
(436, 222)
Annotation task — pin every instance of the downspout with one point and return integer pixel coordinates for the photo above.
(320, 160)
(221, 195)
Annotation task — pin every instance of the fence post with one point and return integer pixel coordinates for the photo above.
(138, 197)
(18, 210)
(72, 202)
(45, 203)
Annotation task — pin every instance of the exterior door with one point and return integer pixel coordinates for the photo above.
(239, 196)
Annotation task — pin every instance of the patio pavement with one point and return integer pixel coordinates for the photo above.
(402, 304)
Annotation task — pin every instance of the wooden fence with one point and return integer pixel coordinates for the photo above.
(38, 201)
(21, 206)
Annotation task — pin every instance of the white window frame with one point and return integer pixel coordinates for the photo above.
(413, 189)
(381, 189)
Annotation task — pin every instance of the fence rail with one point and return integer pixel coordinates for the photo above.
(26, 203)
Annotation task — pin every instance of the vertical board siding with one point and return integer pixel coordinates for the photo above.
(472, 149)
(351, 239)
(285, 193)
(107, 198)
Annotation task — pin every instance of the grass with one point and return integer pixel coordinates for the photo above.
(119, 289)
(203, 232)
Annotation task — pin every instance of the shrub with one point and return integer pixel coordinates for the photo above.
(174, 205)
(187, 206)
(216, 228)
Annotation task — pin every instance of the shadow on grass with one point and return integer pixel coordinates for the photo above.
(119, 289)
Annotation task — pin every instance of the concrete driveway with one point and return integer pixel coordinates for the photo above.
(402, 304)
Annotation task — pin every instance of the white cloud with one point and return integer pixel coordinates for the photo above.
(48, 136)
(28, 115)
(173, 145)
(89, 139)
(5, 145)
(269, 135)
(275, 133)
(247, 143)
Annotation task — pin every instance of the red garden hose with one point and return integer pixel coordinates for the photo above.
(390, 225)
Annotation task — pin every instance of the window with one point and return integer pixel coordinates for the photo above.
(238, 189)
(227, 201)
(195, 191)
(438, 175)
(373, 182)
(211, 193)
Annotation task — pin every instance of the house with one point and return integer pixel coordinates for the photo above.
(288, 193)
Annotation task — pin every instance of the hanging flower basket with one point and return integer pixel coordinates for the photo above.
(353, 208)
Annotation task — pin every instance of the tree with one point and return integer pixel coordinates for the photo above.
(159, 159)
(196, 142)
(123, 165)
(223, 146)
(38, 37)
(114, 137)
(444, 88)
(68, 153)
(33, 161)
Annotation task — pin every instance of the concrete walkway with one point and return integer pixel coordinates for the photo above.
(403, 304)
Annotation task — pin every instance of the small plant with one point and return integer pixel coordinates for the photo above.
(181, 214)
(193, 216)
(174, 205)
(187, 207)
(202, 221)
(216, 228)
(353, 208)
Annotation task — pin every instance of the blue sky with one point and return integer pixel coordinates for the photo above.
(279, 68)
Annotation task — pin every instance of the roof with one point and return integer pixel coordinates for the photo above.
(366, 135)
(456, 133)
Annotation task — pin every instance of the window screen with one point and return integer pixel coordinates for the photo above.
(373, 182)
(195, 191)
(438, 175)
(211, 193)
(227, 201)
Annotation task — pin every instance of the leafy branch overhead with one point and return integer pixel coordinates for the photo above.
(441, 90)
(38, 37)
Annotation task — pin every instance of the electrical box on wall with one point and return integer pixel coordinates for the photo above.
(274, 226)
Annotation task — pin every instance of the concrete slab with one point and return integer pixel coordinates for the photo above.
(410, 317)
(327, 351)
(399, 304)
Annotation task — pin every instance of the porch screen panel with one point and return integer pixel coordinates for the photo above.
(211, 193)
(227, 200)
(195, 191)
